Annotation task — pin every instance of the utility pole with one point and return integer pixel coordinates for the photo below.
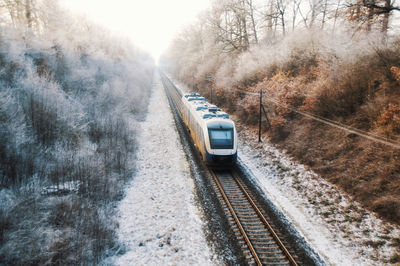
(259, 118)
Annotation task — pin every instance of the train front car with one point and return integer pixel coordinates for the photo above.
(221, 147)
(213, 133)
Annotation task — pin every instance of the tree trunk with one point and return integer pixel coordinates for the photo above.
(385, 21)
(253, 23)
(269, 17)
(243, 24)
(28, 13)
(324, 14)
(336, 16)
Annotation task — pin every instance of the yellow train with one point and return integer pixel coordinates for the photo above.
(213, 133)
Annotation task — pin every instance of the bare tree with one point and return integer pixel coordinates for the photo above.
(336, 15)
(36, 15)
(370, 12)
(253, 21)
(281, 9)
(271, 17)
(295, 11)
(235, 24)
(28, 13)
(20, 11)
(324, 13)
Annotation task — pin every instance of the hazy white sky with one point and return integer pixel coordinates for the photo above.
(151, 24)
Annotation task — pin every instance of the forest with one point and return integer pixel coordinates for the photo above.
(71, 94)
(338, 60)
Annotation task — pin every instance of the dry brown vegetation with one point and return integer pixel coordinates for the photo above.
(355, 85)
(363, 94)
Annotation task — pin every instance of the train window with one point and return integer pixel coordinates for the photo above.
(221, 138)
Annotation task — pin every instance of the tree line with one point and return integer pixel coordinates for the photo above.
(33, 14)
(236, 24)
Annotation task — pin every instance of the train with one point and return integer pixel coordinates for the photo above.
(212, 131)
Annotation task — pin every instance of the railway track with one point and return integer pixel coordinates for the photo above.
(257, 230)
(259, 242)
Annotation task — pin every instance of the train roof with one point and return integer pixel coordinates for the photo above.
(206, 112)
(191, 94)
(196, 98)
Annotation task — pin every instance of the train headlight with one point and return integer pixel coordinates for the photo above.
(212, 151)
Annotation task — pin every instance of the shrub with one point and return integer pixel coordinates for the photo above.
(388, 207)
(248, 112)
(65, 230)
(278, 132)
(389, 119)
(300, 61)
(396, 73)
(346, 91)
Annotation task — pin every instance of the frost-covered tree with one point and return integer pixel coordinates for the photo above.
(235, 24)
(34, 14)
(367, 13)
(70, 93)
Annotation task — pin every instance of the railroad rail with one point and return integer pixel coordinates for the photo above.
(258, 236)
(258, 240)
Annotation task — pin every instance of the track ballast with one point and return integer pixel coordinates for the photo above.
(259, 242)
(263, 239)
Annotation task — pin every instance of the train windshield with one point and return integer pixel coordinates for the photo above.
(221, 138)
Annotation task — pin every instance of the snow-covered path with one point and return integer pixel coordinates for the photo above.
(159, 220)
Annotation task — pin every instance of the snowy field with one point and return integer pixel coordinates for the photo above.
(159, 222)
(336, 227)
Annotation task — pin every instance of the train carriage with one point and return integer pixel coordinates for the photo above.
(213, 133)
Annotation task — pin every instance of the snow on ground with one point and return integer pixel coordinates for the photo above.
(159, 220)
(339, 229)
(335, 226)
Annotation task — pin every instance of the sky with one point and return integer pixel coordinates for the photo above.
(151, 24)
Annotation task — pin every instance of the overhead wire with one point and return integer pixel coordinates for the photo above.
(329, 122)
